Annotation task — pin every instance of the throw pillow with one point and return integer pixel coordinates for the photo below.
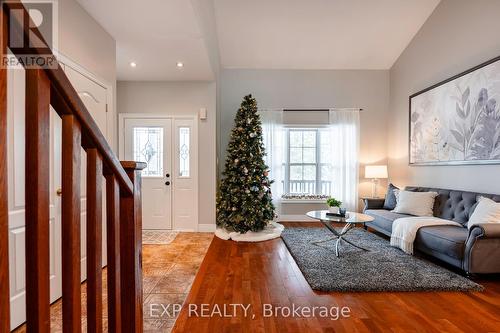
(390, 198)
(487, 211)
(415, 203)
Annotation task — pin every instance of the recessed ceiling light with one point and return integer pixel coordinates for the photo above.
(133, 64)
(180, 64)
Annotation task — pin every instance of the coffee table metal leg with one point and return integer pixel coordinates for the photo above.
(337, 246)
(339, 236)
(356, 246)
(346, 228)
(333, 231)
(324, 240)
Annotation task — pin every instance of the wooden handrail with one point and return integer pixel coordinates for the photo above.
(69, 102)
(47, 87)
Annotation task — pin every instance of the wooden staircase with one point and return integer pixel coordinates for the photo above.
(47, 87)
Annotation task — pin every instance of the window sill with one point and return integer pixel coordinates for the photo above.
(302, 201)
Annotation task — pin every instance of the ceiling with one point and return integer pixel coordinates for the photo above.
(155, 34)
(256, 34)
(317, 34)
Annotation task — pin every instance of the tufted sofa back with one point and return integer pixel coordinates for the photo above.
(454, 205)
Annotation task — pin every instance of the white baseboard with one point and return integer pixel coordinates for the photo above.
(295, 218)
(206, 227)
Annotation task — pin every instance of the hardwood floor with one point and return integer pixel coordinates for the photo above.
(258, 273)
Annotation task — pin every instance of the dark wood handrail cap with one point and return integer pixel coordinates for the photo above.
(128, 165)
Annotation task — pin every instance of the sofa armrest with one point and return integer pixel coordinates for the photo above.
(373, 203)
(482, 249)
(486, 230)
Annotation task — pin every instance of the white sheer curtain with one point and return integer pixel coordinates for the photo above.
(274, 135)
(344, 135)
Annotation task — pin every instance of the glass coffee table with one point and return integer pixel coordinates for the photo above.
(351, 220)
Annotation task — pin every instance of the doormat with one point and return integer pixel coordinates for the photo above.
(158, 237)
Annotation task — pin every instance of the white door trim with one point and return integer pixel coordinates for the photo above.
(194, 226)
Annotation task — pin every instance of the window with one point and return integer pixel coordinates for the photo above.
(148, 147)
(307, 170)
(184, 151)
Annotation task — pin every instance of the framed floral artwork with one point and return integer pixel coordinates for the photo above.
(457, 121)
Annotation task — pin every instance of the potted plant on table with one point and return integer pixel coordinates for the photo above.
(333, 205)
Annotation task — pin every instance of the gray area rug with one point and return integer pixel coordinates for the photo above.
(383, 268)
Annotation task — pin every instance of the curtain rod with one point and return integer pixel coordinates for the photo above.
(302, 110)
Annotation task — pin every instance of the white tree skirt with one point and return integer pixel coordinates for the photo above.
(273, 230)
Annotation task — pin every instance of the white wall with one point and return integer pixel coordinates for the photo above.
(459, 34)
(310, 89)
(181, 98)
(85, 42)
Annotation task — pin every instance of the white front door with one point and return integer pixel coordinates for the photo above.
(150, 140)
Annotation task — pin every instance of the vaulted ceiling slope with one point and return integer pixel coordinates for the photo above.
(317, 34)
(256, 34)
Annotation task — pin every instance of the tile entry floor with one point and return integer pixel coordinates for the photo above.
(168, 272)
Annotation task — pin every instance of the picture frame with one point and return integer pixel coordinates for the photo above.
(457, 121)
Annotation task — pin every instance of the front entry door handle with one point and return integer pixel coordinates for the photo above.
(167, 183)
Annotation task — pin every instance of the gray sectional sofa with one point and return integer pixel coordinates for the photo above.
(475, 251)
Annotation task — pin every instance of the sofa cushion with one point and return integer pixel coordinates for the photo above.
(415, 203)
(384, 218)
(390, 198)
(449, 240)
(486, 211)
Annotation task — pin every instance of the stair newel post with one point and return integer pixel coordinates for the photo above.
(131, 251)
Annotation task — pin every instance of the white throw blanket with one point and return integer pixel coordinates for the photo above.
(404, 230)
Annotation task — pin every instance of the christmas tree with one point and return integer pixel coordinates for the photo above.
(244, 201)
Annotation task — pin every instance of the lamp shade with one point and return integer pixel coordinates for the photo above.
(376, 171)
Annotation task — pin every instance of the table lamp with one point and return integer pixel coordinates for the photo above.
(375, 172)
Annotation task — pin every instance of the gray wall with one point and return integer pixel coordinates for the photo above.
(459, 34)
(367, 89)
(181, 98)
